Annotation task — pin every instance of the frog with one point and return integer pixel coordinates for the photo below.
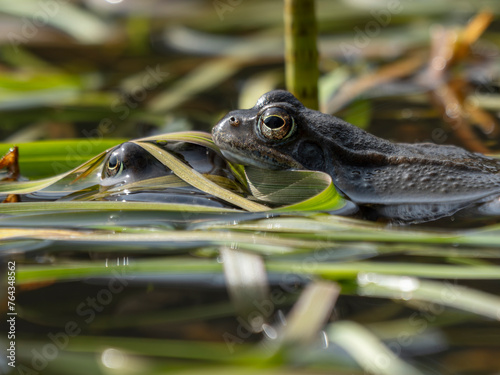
(401, 182)
(129, 163)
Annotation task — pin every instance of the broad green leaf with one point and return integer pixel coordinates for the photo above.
(298, 190)
(327, 200)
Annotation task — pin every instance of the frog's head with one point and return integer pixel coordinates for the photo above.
(129, 162)
(277, 133)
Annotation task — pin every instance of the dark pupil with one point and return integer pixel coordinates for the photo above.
(113, 161)
(274, 122)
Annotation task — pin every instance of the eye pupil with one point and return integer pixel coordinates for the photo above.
(113, 161)
(274, 122)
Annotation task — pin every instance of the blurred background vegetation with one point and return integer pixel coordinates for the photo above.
(126, 69)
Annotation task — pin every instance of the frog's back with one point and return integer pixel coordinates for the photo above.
(422, 173)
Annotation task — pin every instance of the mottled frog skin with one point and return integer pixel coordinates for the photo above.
(405, 182)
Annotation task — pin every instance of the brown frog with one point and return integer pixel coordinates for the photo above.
(399, 181)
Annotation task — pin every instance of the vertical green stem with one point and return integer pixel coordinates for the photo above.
(301, 52)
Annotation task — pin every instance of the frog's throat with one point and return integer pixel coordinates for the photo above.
(262, 161)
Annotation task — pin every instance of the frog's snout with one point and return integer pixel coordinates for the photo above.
(234, 121)
(235, 131)
(226, 127)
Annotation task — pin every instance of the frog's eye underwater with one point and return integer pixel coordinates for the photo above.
(114, 164)
(275, 124)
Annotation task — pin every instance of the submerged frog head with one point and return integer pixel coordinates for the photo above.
(274, 134)
(127, 167)
(128, 163)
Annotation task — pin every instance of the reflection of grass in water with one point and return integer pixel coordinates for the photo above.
(388, 268)
(422, 310)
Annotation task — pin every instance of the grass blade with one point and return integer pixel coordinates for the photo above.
(199, 181)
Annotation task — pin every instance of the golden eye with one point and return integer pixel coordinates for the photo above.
(114, 166)
(276, 124)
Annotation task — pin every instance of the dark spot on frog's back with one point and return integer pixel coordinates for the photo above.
(311, 155)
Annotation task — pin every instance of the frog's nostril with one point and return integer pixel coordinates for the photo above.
(233, 121)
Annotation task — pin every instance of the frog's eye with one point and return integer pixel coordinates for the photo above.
(114, 165)
(276, 124)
